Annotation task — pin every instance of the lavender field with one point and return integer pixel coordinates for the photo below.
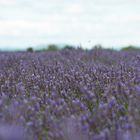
(70, 95)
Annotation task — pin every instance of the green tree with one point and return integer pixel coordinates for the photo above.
(52, 47)
(30, 49)
(130, 48)
(69, 47)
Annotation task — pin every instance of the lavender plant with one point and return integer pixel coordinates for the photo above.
(70, 95)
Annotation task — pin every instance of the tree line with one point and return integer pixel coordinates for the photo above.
(54, 47)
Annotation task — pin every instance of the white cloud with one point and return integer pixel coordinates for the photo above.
(74, 9)
(107, 22)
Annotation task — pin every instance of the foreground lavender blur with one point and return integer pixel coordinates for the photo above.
(70, 95)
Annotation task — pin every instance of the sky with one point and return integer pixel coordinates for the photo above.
(111, 23)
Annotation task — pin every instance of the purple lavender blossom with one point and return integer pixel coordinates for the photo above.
(70, 95)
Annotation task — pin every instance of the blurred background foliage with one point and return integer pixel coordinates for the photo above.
(130, 48)
(55, 47)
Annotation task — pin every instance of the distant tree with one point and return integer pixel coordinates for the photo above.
(69, 47)
(130, 48)
(30, 49)
(52, 47)
(98, 47)
(110, 49)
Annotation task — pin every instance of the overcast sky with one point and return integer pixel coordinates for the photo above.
(87, 22)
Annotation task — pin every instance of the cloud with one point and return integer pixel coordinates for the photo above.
(28, 21)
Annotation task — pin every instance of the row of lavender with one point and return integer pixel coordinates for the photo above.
(70, 95)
